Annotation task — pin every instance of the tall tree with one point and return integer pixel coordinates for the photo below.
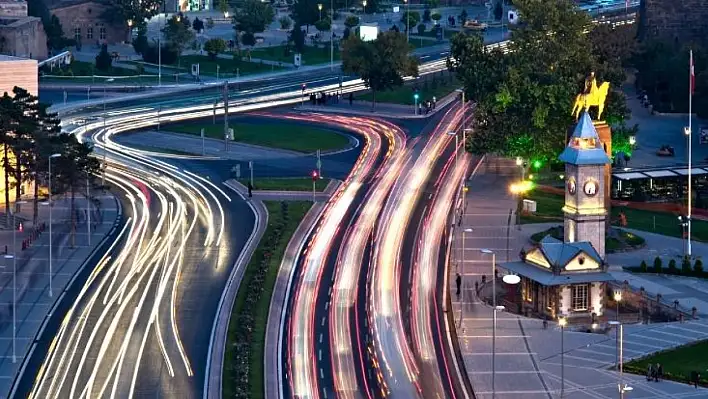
(76, 169)
(26, 125)
(381, 63)
(305, 12)
(178, 34)
(136, 11)
(44, 146)
(7, 128)
(253, 16)
(524, 97)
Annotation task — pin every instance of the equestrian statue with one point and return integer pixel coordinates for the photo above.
(592, 96)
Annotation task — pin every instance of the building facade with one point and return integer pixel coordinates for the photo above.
(569, 278)
(21, 35)
(82, 20)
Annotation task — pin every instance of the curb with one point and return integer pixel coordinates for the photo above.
(213, 377)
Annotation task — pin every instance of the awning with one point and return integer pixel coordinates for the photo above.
(660, 173)
(630, 176)
(694, 171)
(547, 278)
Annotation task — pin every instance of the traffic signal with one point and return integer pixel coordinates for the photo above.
(416, 96)
(315, 175)
(537, 164)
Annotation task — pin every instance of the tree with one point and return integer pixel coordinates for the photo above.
(248, 39)
(463, 16)
(285, 22)
(253, 16)
(215, 46)
(498, 10)
(413, 18)
(8, 125)
(305, 12)
(297, 36)
(524, 97)
(140, 43)
(323, 25)
(421, 29)
(75, 169)
(351, 21)
(55, 34)
(136, 11)
(436, 17)
(426, 15)
(178, 35)
(103, 59)
(381, 63)
(371, 7)
(223, 7)
(197, 25)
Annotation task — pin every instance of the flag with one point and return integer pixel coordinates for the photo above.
(693, 74)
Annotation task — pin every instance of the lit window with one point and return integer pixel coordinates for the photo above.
(579, 298)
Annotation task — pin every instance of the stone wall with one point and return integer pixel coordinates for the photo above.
(18, 72)
(13, 8)
(682, 20)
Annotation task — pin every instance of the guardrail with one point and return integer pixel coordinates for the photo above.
(64, 57)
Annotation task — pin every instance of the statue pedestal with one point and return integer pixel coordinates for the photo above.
(605, 134)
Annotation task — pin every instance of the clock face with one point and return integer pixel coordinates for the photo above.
(590, 188)
(571, 186)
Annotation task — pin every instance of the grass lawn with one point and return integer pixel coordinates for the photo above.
(448, 33)
(253, 302)
(159, 149)
(227, 66)
(294, 137)
(548, 209)
(87, 71)
(287, 184)
(420, 43)
(404, 94)
(311, 55)
(677, 363)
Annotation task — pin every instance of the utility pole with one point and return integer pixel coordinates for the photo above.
(226, 115)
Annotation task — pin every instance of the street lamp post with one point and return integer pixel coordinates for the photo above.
(49, 202)
(687, 132)
(621, 386)
(457, 159)
(130, 29)
(319, 7)
(562, 322)
(14, 329)
(408, 19)
(494, 319)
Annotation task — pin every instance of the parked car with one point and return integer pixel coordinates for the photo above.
(473, 24)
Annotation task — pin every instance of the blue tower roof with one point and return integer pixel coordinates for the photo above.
(584, 147)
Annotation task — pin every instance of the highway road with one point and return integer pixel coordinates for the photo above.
(348, 334)
(140, 323)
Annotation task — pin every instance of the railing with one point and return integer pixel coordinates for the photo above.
(64, 57)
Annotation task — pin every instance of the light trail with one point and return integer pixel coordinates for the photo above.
(399, 373)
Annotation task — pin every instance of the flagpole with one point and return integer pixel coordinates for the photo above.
(690, 140)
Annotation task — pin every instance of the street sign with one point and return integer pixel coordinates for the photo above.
(297, 60)
(195, 69)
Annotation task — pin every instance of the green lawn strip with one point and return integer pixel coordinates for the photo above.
(677, 363)
(404, 94)
(294, 137)
(82, 68)
(159, 149)
(243, 360)
(448, 33)
(311, 56)
(227, 66)
(549, 208)
(287, 184)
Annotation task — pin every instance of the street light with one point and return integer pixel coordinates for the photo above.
(687, 132)
(130, 30)
(408, 27)
(632, 140)
(49, 202)
(562, 322)
(14, 308)
(416, 96)
(494, 318)
(621, 386)
(468, 230)
(319, 7)
(618, 297)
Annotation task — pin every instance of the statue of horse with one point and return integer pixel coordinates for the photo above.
(596, 98)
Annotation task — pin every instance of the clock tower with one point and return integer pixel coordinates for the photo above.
(585, 212)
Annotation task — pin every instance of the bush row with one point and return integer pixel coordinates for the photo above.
(242, 344)
(686, 268)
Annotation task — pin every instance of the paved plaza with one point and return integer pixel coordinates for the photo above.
(528, 357)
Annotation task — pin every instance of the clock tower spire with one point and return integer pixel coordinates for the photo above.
(585, 212)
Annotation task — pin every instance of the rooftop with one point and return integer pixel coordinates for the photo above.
(584, 147)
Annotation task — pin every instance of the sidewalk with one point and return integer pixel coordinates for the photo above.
(527, 357)
(384, 110)
(32, 281)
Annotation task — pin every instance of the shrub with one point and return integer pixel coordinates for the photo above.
(672, 267)
(698, 267)
(248, 39)
(169, 56)
(103, 59)
(436, 17)
(426, 15)
(285, 22)
(140, 43)
(643, 267)
(214, 46)
(421, 29)
(657, 265)
(686, 266)
(351, 21)
(323, 25)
